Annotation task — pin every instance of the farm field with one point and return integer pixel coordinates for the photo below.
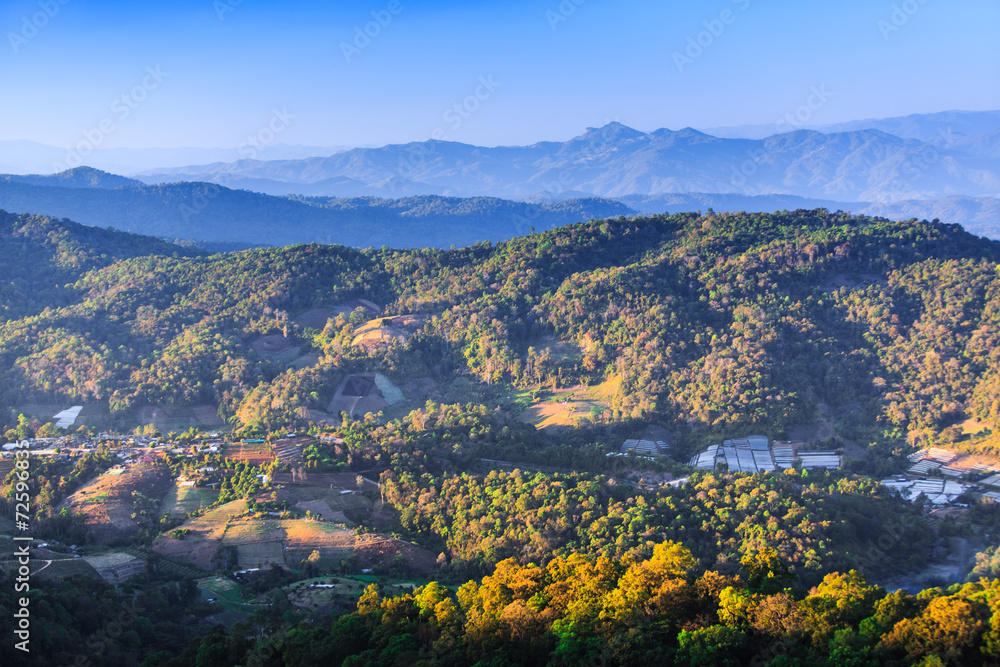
(206, 531)
(182, 500)
(383, 330)
(286, 542)
(109, 502)
(254, 453)
(228, 598)
(303, 537)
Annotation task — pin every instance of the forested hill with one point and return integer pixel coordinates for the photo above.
(696, 322)
(42, 256)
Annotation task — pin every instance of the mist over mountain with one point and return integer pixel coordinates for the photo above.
(30, 157)
(212, 213)
(219, 217)
(929, 127)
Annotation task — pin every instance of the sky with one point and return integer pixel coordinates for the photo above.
(219, 73)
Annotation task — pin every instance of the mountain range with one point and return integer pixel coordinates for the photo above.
(613, 161)
(439, 193)
(221, 218)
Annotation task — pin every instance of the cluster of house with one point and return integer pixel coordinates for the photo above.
(755, 453)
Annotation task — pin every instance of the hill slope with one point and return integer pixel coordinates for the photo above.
(732, 321)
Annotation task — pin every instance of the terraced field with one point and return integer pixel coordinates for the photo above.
(261, 554)
(205, 536)
(254, 453)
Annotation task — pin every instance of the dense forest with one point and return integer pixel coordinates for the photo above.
(572, 610)
(707, 322)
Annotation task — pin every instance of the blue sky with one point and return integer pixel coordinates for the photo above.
(550, 68)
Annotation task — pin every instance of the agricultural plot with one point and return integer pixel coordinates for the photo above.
(303, 537)
(315, 318)
(254, 453)
(305, 361)
(204, 536)
(263, 554)
(229, 598)
(62, 568)
(568, 407)
(323, 494)
(382, 331)
(287, 542)
(251, 531)
(183, 500)
(289, 450)
(222, 587)
(361, 393)
(116, 567)
(119, 505)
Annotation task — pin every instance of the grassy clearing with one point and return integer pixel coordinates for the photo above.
(570, 407)
(182, 500)
(973, 427)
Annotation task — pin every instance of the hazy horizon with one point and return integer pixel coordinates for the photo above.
(210, 75)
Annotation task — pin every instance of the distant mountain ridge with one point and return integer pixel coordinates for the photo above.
(617, 161)
(20, 156)
(929, 127)
(216, 214)
(224, 218)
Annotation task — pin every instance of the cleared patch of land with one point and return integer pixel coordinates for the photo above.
(183, 500)
(361, 393)
(314, 318)
(268, 541)
(973, 427)
(568, 407)
(255, 453)
(323, 592)
(303, 537)
(383, 330)
(204, 538)
(119, 505)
